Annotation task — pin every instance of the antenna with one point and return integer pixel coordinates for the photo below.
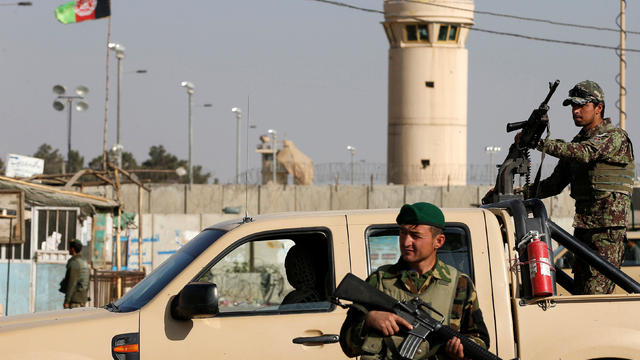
(246, 168)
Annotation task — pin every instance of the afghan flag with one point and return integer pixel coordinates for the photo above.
(81, 10)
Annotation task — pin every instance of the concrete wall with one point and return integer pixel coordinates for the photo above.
(174, 213)
(263, 199)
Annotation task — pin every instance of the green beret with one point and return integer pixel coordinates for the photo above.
(421, 213)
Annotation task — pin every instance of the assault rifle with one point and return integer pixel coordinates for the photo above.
(517, 160)
(358, 291)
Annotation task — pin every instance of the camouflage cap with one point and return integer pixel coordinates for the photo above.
(585, 92)
(421, 213)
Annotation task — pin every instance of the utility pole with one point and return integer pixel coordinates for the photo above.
(623, 66)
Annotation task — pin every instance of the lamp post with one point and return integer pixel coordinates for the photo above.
(238, 113)
(190, 90)
(274, 149)
(60, 90)
(119, 49)
(491, 150)
(352, 150)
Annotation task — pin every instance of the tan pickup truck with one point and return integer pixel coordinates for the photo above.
(274, 276)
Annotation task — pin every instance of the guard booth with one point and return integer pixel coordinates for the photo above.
(36, 224)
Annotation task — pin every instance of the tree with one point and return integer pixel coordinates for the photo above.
(1, 166)
(160, 159)
(76, 162)
(198, 176)
(128, 161)
(52, 159)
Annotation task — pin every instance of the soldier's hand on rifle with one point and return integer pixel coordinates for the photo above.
(386, 322)
(454, 349)
(517, 137)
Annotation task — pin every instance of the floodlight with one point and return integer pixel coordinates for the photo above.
(59, 89)
(58, 105)
(82, 90)
(81, 106)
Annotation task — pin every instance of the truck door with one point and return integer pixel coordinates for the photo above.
(274, 289)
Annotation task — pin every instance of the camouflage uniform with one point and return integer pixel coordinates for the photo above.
(75, 284)
(598, 163)
(465, 315)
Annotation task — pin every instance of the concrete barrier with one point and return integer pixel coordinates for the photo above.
(237, 196)
(172, 231)
(203, 199)
(312, 198)
(129, 195)
(263, 199)
(460, 197)
(167, 199)
(423, 193)
(386, 196)
(277, 198)
(348, 197)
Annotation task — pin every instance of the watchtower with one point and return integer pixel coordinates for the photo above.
(428, 65)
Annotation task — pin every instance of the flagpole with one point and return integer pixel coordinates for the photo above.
(106, 100)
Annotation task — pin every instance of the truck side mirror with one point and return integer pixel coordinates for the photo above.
(196, 300)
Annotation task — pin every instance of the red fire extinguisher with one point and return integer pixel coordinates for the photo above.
(540, 267)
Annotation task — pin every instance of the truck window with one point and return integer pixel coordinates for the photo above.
(151, 285)
(275, 273)
(383, 248)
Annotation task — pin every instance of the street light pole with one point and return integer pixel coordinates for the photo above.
(80, 106)
(119, 49)
(274, 149)
(491, 150)
(353, 151)
(68, 167)
(190, 90)
(238, 113)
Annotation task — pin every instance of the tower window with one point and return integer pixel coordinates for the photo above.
(448, 33)
(416, 33)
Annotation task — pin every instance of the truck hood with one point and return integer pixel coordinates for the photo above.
(84, 333)
(45, 316)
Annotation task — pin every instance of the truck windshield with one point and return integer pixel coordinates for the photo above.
(151, 285)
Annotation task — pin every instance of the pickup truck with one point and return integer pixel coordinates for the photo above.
(261, 288)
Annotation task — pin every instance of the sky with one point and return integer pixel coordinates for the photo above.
(314, 72)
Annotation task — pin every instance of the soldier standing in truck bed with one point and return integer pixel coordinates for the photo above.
(598, 164)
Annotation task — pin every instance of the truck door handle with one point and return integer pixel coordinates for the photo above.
(322, 339)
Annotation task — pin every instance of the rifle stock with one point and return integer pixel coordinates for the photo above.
(358, 291)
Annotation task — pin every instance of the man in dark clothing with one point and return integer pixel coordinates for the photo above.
(598, 164)
(75, 284)
(418, 273)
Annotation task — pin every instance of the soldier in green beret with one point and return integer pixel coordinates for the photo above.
(75, 284)
(598, 164)
(419, 272)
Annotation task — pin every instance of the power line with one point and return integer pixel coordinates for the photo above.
(546, 21)
(337, 3)
(550, 40)
(494, 32)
